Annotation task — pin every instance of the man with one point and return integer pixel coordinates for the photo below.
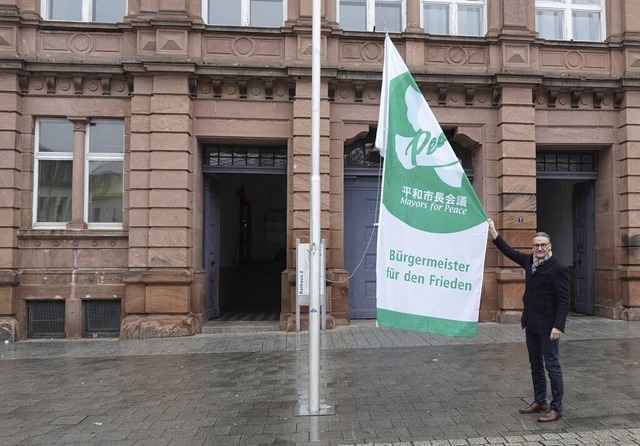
(546, 305)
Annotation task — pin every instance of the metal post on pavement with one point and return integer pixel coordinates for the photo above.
(315, 282)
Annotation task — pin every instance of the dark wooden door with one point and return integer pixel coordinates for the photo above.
(360, 239)
(211, 253)
(584, 246)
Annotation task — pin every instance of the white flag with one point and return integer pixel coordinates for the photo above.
(432, 233)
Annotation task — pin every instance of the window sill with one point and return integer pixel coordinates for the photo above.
(42, 233)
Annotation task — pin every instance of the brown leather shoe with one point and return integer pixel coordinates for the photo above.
(552, 415)
(534, 408)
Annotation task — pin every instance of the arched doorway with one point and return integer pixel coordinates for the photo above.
(362, 174)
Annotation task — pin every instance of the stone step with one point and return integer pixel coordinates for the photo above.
(239, 326)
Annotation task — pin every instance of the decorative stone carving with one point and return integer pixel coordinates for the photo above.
(51, 84)
(552, 97)
(193, 87)
(442, 95)
(23, 83)
(106, 85)
(573, 60)
(633, 59)
(268, 89)
(269, 48)
(7, 37)
(81, 43)
(598, 96)
(84, 44)
(146, 42)
(560, 60)
(469, 94)
(243, 47)
(456, 55)
(292, 91)
(575, 98)
(78, 85)
(618, 97)
(217, 89)
(516, 55)
(372, 52)
(242, 87)
(369, 52)
(359, 88)
(496, 96)
(172, 41)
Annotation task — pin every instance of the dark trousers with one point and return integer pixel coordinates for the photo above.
(543, 353)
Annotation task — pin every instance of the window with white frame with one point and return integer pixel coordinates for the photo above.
(371, 15)
(110, 11)
(581, 20)
(53, 172)
(103, 168)
(104, 171)
(259, 13)
(454, 17)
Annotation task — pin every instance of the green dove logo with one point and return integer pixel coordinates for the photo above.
(424, 184)
(426, 147)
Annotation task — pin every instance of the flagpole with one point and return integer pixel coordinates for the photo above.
(314, 252)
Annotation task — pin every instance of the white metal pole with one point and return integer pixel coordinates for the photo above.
(314, 252)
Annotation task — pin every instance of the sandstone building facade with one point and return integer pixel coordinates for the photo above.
(155, 154)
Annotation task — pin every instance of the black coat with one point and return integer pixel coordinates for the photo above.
(546, 293)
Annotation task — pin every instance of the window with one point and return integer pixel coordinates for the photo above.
(103, 173)
(362, 152)
(110, 11)
(246, 158)
(53, 171)
(454, 17)
(566, 162)
(105, 163)
(570, 19)
(262, 13)
(371, 15)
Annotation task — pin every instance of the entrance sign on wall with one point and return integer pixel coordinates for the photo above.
(303, 271)
(432, 235)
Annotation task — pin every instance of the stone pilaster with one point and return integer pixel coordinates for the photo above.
(161, 202)
(516, 188)
(10, 204)
(629, 212)
(300, 170)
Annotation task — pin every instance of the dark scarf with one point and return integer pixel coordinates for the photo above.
(537, 262)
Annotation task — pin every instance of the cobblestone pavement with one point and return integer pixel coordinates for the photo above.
(388, 387)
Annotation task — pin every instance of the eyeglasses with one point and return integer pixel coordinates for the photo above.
(540, 245)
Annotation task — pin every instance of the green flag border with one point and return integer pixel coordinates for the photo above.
(428, 324)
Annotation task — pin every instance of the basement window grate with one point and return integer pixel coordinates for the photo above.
(46, 319)
(101, 318)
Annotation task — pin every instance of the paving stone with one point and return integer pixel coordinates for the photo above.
(390, 387)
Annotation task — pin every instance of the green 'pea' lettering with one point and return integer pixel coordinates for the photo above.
(421, 140)
(436, 143)
(417, 145)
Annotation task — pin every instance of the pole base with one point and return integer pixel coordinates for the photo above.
(302, 409)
